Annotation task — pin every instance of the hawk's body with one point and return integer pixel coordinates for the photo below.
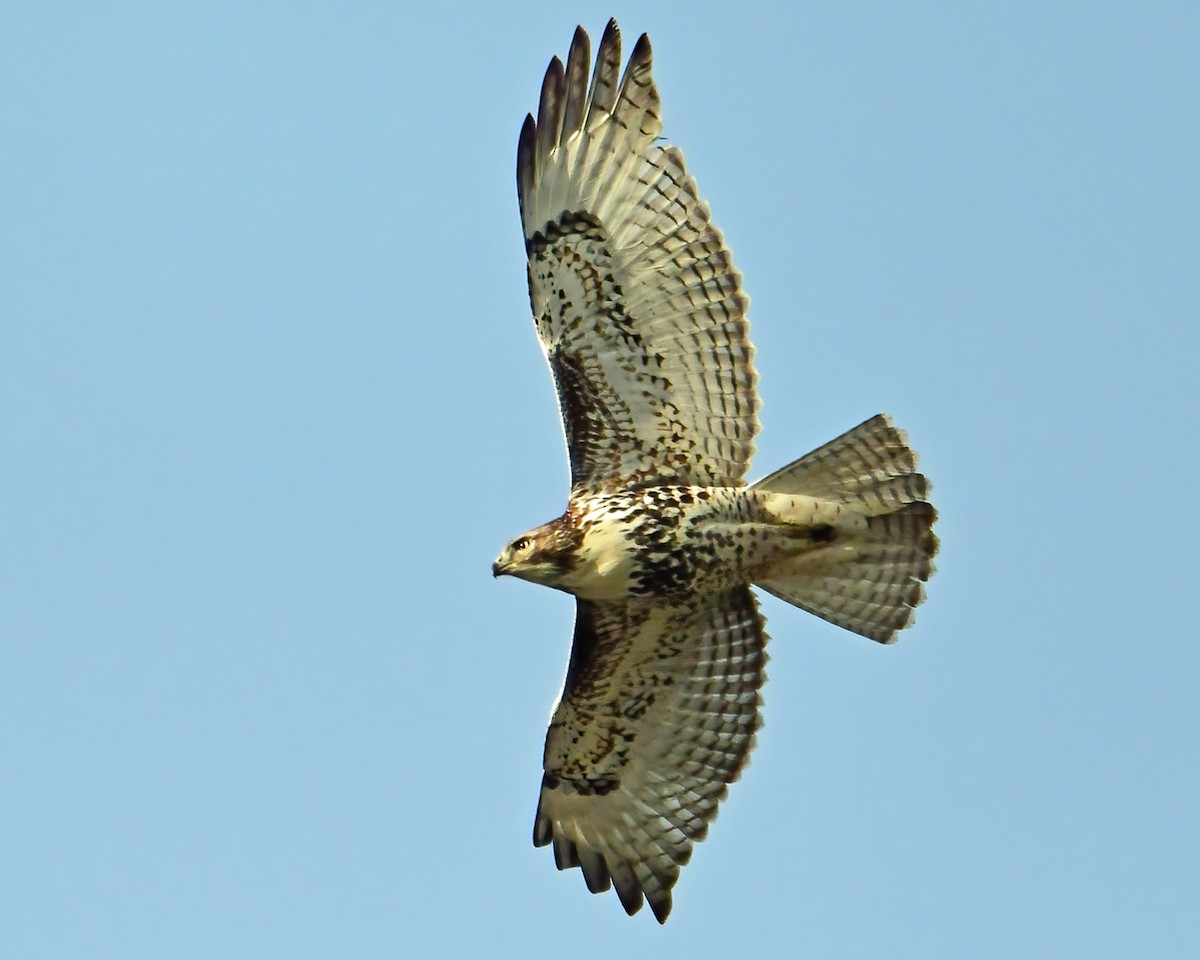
(675, 542)
(643, 321)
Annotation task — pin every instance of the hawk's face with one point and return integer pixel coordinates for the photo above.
(541, 556)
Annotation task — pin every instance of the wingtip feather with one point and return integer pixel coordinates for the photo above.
(660, 904)
(575, 109)
(526, 162)
(606, 71)
(550, 107)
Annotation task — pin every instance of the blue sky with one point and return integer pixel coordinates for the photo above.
(270, 403)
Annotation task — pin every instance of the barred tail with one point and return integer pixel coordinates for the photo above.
(867, 581)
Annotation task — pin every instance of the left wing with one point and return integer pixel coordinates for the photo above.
(638, 307)
(657, 717)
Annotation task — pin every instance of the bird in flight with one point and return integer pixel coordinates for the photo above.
(642, 319)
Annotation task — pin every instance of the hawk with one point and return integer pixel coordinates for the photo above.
(642, 319)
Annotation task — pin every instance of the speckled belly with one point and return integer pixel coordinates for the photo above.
(672, 541)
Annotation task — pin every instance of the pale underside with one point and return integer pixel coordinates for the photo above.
(659, 712)
(643, 322)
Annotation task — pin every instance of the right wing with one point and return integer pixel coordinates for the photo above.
(657, 717)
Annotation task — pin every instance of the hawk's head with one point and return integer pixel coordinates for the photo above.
(542, 555)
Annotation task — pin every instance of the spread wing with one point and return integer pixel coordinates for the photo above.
(657, 717)
(638, 307)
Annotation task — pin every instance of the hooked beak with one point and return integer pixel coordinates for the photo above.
(499, 569)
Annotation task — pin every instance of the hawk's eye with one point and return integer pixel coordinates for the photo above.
(520, 544)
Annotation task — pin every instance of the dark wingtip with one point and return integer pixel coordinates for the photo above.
(543, 829)
(660, 905)
(642, 49)
(565, 855)
(526, 160)
(595, 871)
(550, 107)
(631, 900)
(578, 62)
(552, 79)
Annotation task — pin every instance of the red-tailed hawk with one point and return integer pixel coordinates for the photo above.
(643, 321)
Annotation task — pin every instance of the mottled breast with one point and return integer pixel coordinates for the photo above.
(658, 541)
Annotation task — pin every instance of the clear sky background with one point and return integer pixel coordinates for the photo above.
(271, 402)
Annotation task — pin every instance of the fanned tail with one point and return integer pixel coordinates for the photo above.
(867, 580)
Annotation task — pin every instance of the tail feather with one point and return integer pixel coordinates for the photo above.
(872, 463)
(867, 581)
